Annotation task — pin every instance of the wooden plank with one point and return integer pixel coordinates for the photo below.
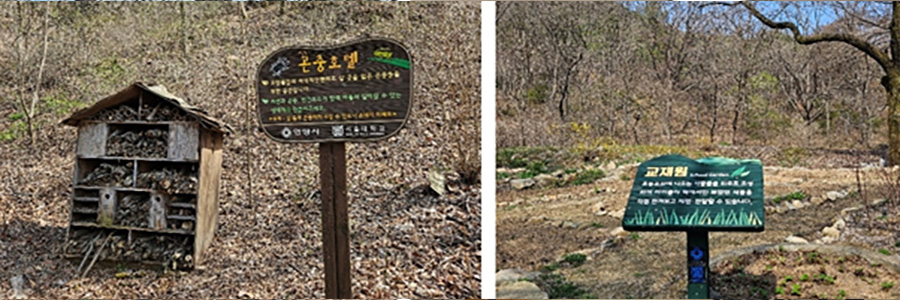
(208, 192)
(157, 213)
(107, 214)
(120, 188)
(326, 179)
(335, 226)
(91, 140)
(183, 141)
(129, 228)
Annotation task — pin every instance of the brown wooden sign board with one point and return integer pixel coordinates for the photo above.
(359, 91)
(354, 92)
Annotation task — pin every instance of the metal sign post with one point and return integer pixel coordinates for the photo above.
(698, 264)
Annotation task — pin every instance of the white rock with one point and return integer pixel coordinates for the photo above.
(545, 179)
(796, 240)
(849, 210)
(618, 232)
(521, 184)
(831, 232)
(816, 200)
(834, 195)
(798, 204)
(509, 275)
(520, 290)
(840, 224)
(568, 224)
(781, 209)
(610, 165)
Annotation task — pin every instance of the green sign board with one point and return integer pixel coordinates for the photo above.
(675, 193)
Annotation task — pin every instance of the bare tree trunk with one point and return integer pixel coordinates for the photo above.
(40, 75)
(734, 125)
(184, 29)
(892, 85)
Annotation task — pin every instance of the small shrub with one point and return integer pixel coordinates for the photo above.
(798, 195)
(795, 289)
(841, 294)
(884, 251)
(551, 267)
(634, 236)
(527, 174)
(575, 259)
(588, 177)
(537, 167)
(15, 116)
(502, 175)
(536, 94)
(557, 287)
(779, 290)
(804, 277)
(887, 285)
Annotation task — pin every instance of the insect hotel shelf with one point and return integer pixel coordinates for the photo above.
(146, 179)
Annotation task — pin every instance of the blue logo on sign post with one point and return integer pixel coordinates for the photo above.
(697, 275)
(696, 253)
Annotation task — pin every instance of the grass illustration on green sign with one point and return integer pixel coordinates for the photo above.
(697, 218)
(403, 63)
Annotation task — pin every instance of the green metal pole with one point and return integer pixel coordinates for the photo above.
(698, 264)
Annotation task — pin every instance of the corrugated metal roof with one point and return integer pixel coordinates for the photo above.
(133, 91)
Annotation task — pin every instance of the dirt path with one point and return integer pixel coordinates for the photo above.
(537, 227)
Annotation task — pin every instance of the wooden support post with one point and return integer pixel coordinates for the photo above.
(335, 228)
(698, 264)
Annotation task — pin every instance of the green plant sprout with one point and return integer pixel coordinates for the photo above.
(795, 289)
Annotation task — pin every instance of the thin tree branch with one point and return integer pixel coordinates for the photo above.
(855, 41)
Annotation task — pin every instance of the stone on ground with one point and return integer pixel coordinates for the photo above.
(509, 275)
(521, 184)
(618, 232)
(520, 290)
(831, 232)
(545, 180)
(835, 195)
(796, 240)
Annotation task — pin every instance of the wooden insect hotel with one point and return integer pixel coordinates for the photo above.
(146, 181)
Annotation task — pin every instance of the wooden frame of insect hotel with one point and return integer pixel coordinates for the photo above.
(146, 180)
